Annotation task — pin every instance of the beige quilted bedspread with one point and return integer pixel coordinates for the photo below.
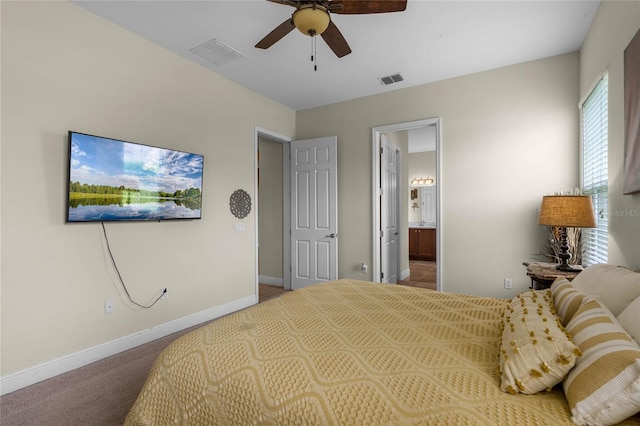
(343, 353)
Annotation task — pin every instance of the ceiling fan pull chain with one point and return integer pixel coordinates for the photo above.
(314, 54)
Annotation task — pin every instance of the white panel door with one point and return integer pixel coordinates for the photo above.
(389, 219)
(314, 211)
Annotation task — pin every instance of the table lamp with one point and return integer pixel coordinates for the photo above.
(566, 211)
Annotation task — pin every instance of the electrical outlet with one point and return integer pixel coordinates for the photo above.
(165, 294)
(364, 268)
(508, 283)
(108, 306)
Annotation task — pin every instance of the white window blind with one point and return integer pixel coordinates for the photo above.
(595, 170)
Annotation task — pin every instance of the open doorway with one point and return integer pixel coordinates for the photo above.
(272, 214)
(422, 208)
(296, 191)
(418, 202)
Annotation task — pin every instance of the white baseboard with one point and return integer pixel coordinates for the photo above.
(405, 274)
(49, 369)
(271, 280)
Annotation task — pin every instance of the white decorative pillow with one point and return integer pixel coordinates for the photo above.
(604, 386)
(535, 351)
(614, 286)
(629, 319)
(566, 298)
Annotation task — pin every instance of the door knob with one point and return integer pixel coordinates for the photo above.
(332, 235)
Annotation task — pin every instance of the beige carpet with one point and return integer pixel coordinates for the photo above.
(97, 394)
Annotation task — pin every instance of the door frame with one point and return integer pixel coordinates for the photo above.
(376, 133)
(286, 203)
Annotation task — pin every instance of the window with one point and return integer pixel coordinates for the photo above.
(594, 170)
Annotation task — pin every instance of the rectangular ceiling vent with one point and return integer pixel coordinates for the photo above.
(390, 79)
(216, 52)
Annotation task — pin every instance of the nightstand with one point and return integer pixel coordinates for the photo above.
(544, 274)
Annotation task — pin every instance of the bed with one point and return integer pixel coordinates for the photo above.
(347, 352)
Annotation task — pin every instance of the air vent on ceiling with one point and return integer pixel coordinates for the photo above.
(390, 79)
(216, 52)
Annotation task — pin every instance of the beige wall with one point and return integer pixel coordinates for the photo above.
(613, 28)
(509, 136)
(270, 210)
(64, 68)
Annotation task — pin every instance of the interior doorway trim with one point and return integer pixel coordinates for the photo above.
(260, 132)
(376, 133)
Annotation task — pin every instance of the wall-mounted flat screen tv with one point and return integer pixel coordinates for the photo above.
(114, 180)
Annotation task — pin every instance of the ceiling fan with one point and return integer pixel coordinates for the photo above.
(312, 17)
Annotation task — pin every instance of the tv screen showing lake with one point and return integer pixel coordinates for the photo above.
(111, 180)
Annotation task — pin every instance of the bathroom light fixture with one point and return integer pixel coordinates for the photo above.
(422, 181)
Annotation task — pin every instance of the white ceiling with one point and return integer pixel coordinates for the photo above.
(430, 41)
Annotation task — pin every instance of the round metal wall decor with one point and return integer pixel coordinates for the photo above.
(240, 203)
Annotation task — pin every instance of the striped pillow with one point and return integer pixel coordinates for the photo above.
(604, 386)
(566, 299)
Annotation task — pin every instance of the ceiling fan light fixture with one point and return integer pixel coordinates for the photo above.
(311, 19)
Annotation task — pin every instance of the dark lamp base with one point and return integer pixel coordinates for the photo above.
(567, 268)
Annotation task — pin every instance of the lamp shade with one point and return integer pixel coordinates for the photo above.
(311, 19)
(571, 211)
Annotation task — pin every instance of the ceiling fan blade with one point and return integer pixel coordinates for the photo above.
(287, 2)
(335, 40)
(346, 7)
(274, 36)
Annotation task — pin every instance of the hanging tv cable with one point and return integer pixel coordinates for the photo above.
(113, 261)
